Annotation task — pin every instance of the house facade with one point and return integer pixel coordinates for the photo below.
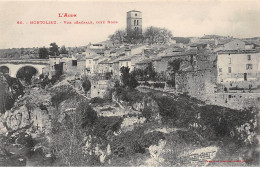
(238, 66)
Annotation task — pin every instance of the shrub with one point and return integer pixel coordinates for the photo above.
(87, 113)
(147, 113)
(151, 138)
(86, 84)
(61, 95)
(104, 124)
(97, 100)
(159, 85)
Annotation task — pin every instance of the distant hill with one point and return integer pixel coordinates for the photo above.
(16, 53)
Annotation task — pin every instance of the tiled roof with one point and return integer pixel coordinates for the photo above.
(238, 51)
(186, 53)
(92, 56)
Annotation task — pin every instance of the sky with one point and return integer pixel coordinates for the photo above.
(186, 18)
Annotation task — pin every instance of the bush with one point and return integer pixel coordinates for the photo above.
(159, 85)
(97, 100)
(104, 124)
(62, 95)
(86, 84)
(147, 113)
(151, 138)
(87, 113)
(128, 95)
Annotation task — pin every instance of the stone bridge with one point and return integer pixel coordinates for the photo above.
(12, 66)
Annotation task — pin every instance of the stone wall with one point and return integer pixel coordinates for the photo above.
(234, 100)
(196, 83)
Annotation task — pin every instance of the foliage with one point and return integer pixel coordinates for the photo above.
(66, 142)
(130, 96)
(86, 84)
(157, 35)
(118, 37)
(87, 113)
(54, 49)
(148, 73)
(108, 95)
(63, 50)
(43, 53)
(135, 141)
(7, 98)
(104, 125)
(97, 100)
(61, 95)
(147, 113)
(173, 66)
(127, 78)
(134, 37)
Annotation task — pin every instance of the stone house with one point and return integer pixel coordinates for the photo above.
(90, 63)
(238, 66)
(230, 45)
(99, 88)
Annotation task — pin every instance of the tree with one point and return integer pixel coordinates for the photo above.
(86, 84)
(43, 53)
(118, 37)
(54, 49)
(134, 37)
(157, 35)
(127, 78)
(174, 66)
(63, 50)
(150, 72)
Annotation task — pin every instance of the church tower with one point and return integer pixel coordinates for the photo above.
(134, 22)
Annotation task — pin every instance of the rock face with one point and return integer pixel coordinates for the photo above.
(28, 110)
(146, 103)
(20, 118)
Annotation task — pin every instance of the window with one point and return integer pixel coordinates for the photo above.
(229, 70)
(136, 22)
(220, 70)
(248, 57)
(135, 14)
(249, 66)
(74, 62)
(229, 60)
(89, 61)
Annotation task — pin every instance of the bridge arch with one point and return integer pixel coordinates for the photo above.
(41, 66)
(4, 69)
(37, 72)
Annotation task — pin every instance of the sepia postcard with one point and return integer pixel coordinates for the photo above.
(130, 83)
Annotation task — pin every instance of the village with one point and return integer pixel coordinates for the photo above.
(216, 69)
(141, 98)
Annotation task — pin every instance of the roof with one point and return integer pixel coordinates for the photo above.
(92, 56)
(224, 41)
(187, 53)
(145, 61)
(133, 11)
(249, 42)
(98, 51)
(243, 51)
(197, 44)
(81, 57)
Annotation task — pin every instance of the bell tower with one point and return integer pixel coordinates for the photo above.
(134, 22)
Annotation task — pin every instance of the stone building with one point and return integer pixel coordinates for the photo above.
(134, 22)
(238, 65)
